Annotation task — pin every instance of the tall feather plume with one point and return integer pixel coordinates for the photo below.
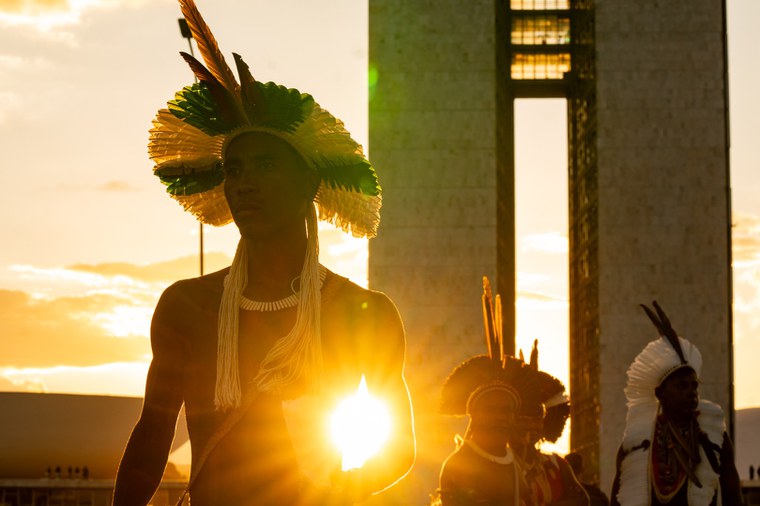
(208, 47)
(253, 99)
(210, 52)
(225, 101)
(662, 323)
(534, 356)
(498, 325)
(491, 340)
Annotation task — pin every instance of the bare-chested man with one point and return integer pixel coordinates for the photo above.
(275, 325)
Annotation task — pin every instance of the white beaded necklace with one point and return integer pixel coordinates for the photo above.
(284, 303)
(507, 458)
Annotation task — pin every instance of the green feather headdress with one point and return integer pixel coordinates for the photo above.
(188, 139)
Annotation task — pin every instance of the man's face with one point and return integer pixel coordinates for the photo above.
(679, 393)
(527, 430)
(494, 413)
(267, 184)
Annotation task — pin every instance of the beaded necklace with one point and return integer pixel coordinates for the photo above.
(284, 303)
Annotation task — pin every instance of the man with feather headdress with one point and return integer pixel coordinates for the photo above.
(512, 405)
(276, 325)
(675, 449)
(542, 417)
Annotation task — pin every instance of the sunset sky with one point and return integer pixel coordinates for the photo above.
(90, 239)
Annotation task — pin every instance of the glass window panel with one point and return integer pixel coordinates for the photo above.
(540, 5)
(540, 30)
(540, 66)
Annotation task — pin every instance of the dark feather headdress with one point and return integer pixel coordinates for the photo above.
(663, 326)
(539, 393)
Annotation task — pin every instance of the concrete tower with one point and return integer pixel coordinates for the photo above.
(648, 186)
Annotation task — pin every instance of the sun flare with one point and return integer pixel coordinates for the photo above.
(360, 426)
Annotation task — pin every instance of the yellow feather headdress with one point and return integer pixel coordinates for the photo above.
(188, 139)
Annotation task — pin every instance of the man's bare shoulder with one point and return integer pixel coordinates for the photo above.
(344, 295)
(197, 289)
(185, 301)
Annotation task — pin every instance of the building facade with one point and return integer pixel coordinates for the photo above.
(648, 185)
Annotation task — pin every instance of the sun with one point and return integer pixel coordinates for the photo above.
(360, 426)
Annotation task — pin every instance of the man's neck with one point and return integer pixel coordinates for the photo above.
(679, 419)
(273, 265)
(495, 446)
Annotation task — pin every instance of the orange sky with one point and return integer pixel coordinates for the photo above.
(91, 240)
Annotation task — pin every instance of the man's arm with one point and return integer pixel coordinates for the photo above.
(616, 481)
(147, 451)
(575, 494)
(730, 484)
(449, 490)
(382, 348)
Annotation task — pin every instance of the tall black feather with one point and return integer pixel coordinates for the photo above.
(224, 102)
(253, 98)
(662, 323)
(534, 355)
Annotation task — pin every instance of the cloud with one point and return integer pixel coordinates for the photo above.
(550, 242)
(117, 186)
(46, 15)
(119, 378)
(21, 385)
(168, 271)
(108, 186)
(746, 239)
(33, 7)
(528, 297)
(86, 315)
(8, 102)
(65, 330)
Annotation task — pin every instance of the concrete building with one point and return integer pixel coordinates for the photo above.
(649, 195)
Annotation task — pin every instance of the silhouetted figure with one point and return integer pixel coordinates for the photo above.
(543, 412)
(57, 471)
(512, 406)
(675, 449)
(595, 494)
(482, 469)
(276, 325)
(751, 472)
(85, 473)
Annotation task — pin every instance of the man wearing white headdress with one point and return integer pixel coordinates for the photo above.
(675, 449)
(277, 325)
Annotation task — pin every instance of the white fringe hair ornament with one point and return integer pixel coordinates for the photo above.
(295, 359)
